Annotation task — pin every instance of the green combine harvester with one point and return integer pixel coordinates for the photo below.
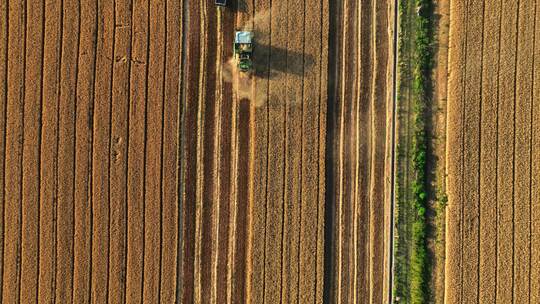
(243, 49)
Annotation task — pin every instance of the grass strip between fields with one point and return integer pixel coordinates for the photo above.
(412, 282)
(422, 88)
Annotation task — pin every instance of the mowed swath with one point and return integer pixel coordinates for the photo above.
(254, 155)
(492, 156)
(360, 116)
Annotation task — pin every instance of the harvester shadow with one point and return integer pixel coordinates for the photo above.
(241, 6)
(282, 61)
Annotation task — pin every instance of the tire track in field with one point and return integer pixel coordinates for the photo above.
(29, 280)
(506, 139)
(13, 157)
(488, 156)
(4, 47)
(136, 149)
(170, 151)
(49, 154)
(119, 138)
(101, 146)
(524, 64)
(153, 138)
(454, 160)
(535, 185)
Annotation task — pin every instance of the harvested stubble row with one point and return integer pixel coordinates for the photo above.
(253, 203)
(493, 237)
(359, 139)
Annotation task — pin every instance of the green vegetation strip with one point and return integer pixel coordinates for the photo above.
(401, 256)
(423, 63)
(413, 267)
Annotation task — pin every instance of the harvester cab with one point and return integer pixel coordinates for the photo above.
(243, 49)
(221, 3)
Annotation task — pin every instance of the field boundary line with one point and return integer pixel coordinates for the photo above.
(497, 152)
(301, 162)
(183, 11)
(479, 170)
(514, 155)
(393, 163)
(286, 167)
(18, 266)
(531, 150)
(462, 109)
(161, 165)
(4, 146)
(56, 179)
(111, 89)
(40, 138)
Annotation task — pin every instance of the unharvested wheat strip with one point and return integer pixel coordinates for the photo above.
(101, 147)
(31, 152)
(13, 154)
(101, 160)
(69, 175)
(208, 157)
(169, 216)
(378, 110)
(471, 150)
(310, 156)
(276, 141)
(118, 152)
(454, 156)
(323, 99)
(136, 151)
(488, 154)
(535, 166)
(505, 155)
(364, 93)
(293, 157)
(522, 151)
(49, 161)
(66, 281)
(224, 160)
(86, 73)
(3, 105)
(189, 164)
(154, 111)
(256, 264)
